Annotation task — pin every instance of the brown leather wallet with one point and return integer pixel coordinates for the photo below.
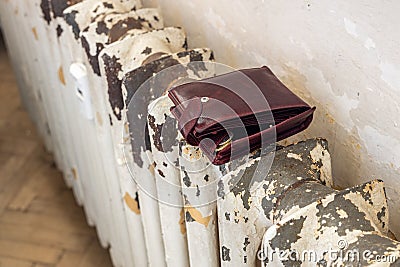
(231, 115)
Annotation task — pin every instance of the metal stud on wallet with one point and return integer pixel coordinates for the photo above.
(231, 115)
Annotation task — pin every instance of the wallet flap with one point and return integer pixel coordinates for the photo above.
(187, 114)
(245, 92)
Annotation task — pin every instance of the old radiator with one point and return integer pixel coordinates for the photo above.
(91, 75)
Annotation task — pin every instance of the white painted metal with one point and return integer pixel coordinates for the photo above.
(51, 79)
(11, 25)
(126, 201)
(20, 34)
(199, 180)
(79, 73)
(110, 208)
(128, 55)
(143, 166)
(168, 184)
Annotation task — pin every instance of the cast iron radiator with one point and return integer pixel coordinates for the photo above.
(85, 71)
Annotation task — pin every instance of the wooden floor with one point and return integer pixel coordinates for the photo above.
(40, 223)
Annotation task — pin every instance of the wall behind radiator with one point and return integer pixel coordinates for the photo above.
(342, 56)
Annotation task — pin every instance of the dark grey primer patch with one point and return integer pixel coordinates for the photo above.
(240, 184)
(58, 6)
(246, 243)
(137, 79)
(265, 203)
(197, 57)
(120, 28)
(367, 194)
(380, 245)
(147, 51)
(45, 7)
(168, 140)
(93, 59)
(188, 217)
(222, 169)
(185, 44)
(225, 254)
(112, 67)
(108, 5)
(147, 141)
(186, 179)
(381, 214)
(289, 234)
(117, 30)
(59, 31)
(102, 28)
(70, 18)
(161, 173)
(137, 200)
(227, 216)
(323, 262)
(328, 217)
(297, 196)
(220, 191)
(236, 220)
(211, 58)
(111, 122)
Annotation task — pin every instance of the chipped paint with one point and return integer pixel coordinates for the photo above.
(280, 194)
(132, 203)
(61, 76)
(319, 155)
(197, 216)
(182, 224)
(74, 173)
(325, 223)
(99, 119)
(35, 33)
